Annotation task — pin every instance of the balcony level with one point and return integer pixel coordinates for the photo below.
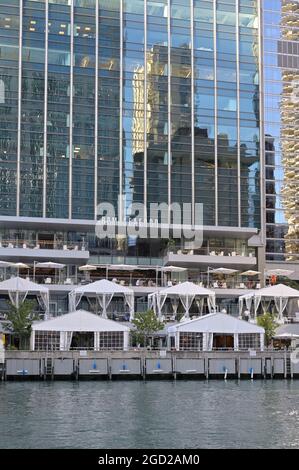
(65, 254)
(215, 258)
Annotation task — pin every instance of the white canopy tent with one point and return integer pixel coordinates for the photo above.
(279, 293)
(186, 292)
(18, 289)
(212, 324)
(103, 291)
(79, 321)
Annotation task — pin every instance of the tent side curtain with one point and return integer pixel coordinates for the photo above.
(157, 300)
(129, 299)
(187, 302)
(74, 299)
(104, 301)
(212, 303)
(280, 304)
(65, 340)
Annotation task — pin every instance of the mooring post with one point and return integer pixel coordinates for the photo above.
(109, 368)
(174, 366)
(143, 363)
(207, 367)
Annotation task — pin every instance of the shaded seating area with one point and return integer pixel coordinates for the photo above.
(79, 330)
(18, 289)
(273, 298)
(102, 292)
(185, 294)
(286, 336)
(215, 331)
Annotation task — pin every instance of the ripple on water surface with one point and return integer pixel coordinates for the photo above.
(183, 414)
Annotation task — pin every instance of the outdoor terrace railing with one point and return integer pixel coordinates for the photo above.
(212, 251)
(43, 244)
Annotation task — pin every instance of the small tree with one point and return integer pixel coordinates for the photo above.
(21, 318)
(267, 321)
(146, 324)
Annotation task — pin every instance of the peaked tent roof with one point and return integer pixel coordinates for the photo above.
(279, 290)
(80, 320)
(18, 284)
(290, 329)
(103, 287)
(187, 288)
(217, 323)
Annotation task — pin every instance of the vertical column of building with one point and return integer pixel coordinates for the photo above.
(192, 112)
(121, 80)
(262, 248)
(19, 107)
(238, 110)
(169, 107)
(215, 116)
(71, 112)
(145, 112)
(96, 118)
(45, 108)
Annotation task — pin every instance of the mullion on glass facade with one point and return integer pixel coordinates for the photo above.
(158, 100)
(9, 107)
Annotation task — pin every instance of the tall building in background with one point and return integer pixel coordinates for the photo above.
(158, 100)
(281, 103)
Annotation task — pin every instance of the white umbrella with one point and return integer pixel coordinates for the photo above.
(20, 265)
(50, 265)
(279, 272)
(123, 267)
(88, 267)
(4, 264)
(47, 265)
(173, 269)
(223, 271)
(250, 273)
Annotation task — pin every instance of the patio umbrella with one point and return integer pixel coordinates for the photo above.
(47, 265)
(50, 265)
(19, 266)
(225, 271)
(123, 267)
(173, 269)
(250, 273)
(279, 272)
(88, 267)
(5, 264)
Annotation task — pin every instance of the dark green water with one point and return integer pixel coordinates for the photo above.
(187, 414)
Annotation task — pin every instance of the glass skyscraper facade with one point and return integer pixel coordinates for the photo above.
(281, 85)
(157, 99)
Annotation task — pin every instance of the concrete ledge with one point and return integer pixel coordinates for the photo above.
(143, 364)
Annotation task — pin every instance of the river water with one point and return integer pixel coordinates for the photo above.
(157, 414)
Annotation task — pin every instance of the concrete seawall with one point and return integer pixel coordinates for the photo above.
(139, 364)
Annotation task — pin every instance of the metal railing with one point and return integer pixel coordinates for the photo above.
(212, 251)
(43, 244)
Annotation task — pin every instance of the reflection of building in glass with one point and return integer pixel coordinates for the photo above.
(281, 71)
(156, 100)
